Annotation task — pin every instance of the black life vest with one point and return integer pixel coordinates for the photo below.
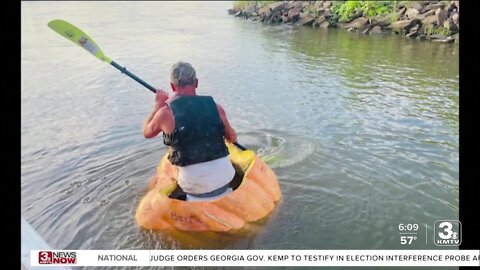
(198, 134)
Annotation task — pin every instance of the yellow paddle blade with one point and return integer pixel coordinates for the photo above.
(78, 37)
(243, 159)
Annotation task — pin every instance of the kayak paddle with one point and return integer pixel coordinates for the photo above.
(80, 38)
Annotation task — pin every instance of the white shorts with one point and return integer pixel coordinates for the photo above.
(206, 176)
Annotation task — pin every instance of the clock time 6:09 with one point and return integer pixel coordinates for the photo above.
(408, 227)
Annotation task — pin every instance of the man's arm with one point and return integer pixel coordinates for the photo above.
(230, 134)
(152, 126)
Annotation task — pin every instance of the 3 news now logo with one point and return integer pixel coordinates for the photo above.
(61, 257)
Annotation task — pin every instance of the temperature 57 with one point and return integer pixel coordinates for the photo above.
(407, 240)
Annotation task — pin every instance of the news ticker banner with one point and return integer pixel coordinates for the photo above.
(255, 257)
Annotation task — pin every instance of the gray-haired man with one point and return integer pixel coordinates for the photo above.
(194, 127)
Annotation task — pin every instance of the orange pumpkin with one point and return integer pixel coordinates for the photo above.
(253, 200)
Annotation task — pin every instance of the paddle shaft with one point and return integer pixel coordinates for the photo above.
(240, 146)
(152, 89)
(133, 76)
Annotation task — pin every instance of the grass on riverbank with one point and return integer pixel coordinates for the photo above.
(342, 9)
(346, 9)
(242, 5)
(370, 14)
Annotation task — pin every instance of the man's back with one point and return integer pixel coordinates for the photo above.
(194, 127)
(198, 135)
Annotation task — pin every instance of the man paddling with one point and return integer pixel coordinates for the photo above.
(194, 129)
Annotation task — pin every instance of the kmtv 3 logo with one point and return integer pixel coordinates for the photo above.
(51, 257)
(448, 233)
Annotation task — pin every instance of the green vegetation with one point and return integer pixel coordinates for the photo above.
(241, 5)
(406, 4)
(346, 9)
(393, 17)
(432, 30)
(410, 3)
(385, 12)
(262, 4)
(311, 11)
(374, 8)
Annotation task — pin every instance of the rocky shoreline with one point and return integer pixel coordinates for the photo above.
(437, 21)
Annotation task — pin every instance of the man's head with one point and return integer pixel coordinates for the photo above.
(182, 75)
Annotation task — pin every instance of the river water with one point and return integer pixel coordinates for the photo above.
(362, 131)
